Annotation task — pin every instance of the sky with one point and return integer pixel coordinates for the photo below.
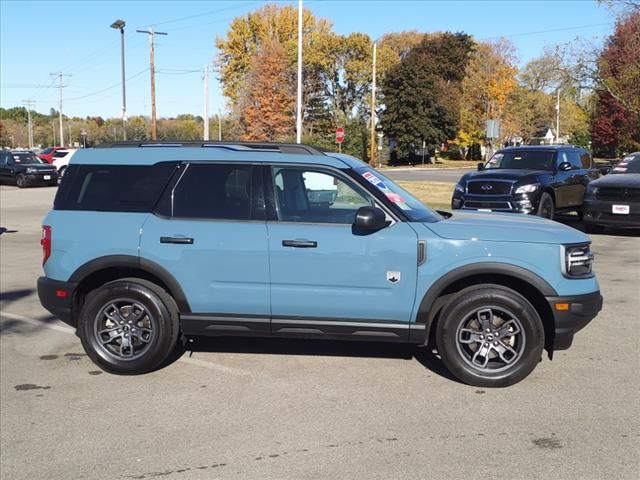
(74, 37)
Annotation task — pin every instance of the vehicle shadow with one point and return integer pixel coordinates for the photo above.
(574, 222)
(307, 347)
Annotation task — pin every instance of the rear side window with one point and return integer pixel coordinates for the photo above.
(215, 192)
(113, 188)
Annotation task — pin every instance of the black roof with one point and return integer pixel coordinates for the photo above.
(539, 147)
(293, 148)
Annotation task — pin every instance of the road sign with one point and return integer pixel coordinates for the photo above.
(339, 134)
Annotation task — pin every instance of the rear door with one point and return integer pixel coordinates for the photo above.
(209, 232)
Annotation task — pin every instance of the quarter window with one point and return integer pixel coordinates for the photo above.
(312, 196)
(585, 159)
(214, 191)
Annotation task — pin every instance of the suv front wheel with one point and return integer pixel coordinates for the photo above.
(490, 336)
(129, 326)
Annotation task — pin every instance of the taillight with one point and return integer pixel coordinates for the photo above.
(46, 243)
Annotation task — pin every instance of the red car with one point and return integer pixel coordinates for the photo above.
(47, 153)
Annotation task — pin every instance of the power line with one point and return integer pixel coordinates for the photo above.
(538, 32)
(209, 12)
(107, 88)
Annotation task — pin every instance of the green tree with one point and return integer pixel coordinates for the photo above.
(422, 103)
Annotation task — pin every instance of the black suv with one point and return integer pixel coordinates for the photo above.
(540, 180)
(24, 168)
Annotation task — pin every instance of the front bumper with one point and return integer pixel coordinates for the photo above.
(57, 297)
(39, 178)
(521, 203)
(571, 314)
(600, 212)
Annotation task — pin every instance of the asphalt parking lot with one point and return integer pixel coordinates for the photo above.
(306, 410)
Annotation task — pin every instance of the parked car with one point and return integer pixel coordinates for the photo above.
(61, 160)
(150, 244)
(614, 200)
(23, 168)
(47, 153)
(539, 180)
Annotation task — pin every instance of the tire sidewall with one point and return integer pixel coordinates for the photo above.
(21, 181)
(164, 338)
(546, 198)
(461, 307)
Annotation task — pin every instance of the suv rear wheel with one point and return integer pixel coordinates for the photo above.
(129, 326)
(490, 336)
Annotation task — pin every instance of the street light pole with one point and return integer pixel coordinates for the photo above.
(373, 109)
(299, 94)
(119, 25)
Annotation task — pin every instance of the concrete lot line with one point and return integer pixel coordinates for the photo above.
(184, 359)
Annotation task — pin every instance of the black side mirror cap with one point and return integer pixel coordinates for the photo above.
(480, 166)
(370, 219)
(565, 167)
(605, 170)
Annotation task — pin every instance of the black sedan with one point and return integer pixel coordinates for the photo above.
(614, 200)
(24, 168)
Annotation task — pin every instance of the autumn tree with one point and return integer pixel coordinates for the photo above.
(267, 101)
(616, 121)
(422, 93)
(490, 78)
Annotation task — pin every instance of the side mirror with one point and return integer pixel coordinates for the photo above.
(370, 219)
(605, 170)
(480, 166)
(564, 167)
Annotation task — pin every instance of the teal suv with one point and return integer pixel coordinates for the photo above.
(148, 244)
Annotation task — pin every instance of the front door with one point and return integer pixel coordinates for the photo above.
(321, 270)
(212, 238)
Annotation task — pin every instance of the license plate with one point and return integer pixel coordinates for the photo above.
(47, 177)
(620, 209)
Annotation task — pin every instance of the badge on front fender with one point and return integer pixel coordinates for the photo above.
(393, 277)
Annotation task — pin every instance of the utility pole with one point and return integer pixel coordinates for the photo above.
(29, 104)
(119, 25)
(373, 110)
(299, 96)
(60, 86)
(205, 136)
(558, 117)
(152, 69)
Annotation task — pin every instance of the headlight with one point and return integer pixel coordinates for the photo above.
(459, 188)
(527, 188)
(32, 170)
(577, 260)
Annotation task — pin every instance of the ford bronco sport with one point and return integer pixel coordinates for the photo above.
(148, 244)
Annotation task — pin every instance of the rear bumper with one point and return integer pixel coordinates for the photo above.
(580, 311)
(55, 301)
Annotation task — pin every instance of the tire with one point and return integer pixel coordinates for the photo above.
(115, 344)
(462, 339)
(21, 181)
(593, 228)
(546, 207)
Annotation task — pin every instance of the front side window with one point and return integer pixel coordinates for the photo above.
(574, 159)
(214, 191)
(313, 196)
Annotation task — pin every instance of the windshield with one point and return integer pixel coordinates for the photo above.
(522, 160)
(46, 151)
(630, 164)
(25, 158)
(413, 208)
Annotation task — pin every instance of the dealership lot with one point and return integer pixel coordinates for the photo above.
(249, 408)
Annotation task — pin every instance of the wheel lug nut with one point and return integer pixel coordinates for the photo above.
(495, 343)
(481, 337)
(488, 330)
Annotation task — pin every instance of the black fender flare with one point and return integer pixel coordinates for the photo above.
(138, 263)
(426, 313)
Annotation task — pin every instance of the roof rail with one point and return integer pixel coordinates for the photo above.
(291, 148)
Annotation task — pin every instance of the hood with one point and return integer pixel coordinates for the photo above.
(506, 174)
(623, 180)
(505, 227)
